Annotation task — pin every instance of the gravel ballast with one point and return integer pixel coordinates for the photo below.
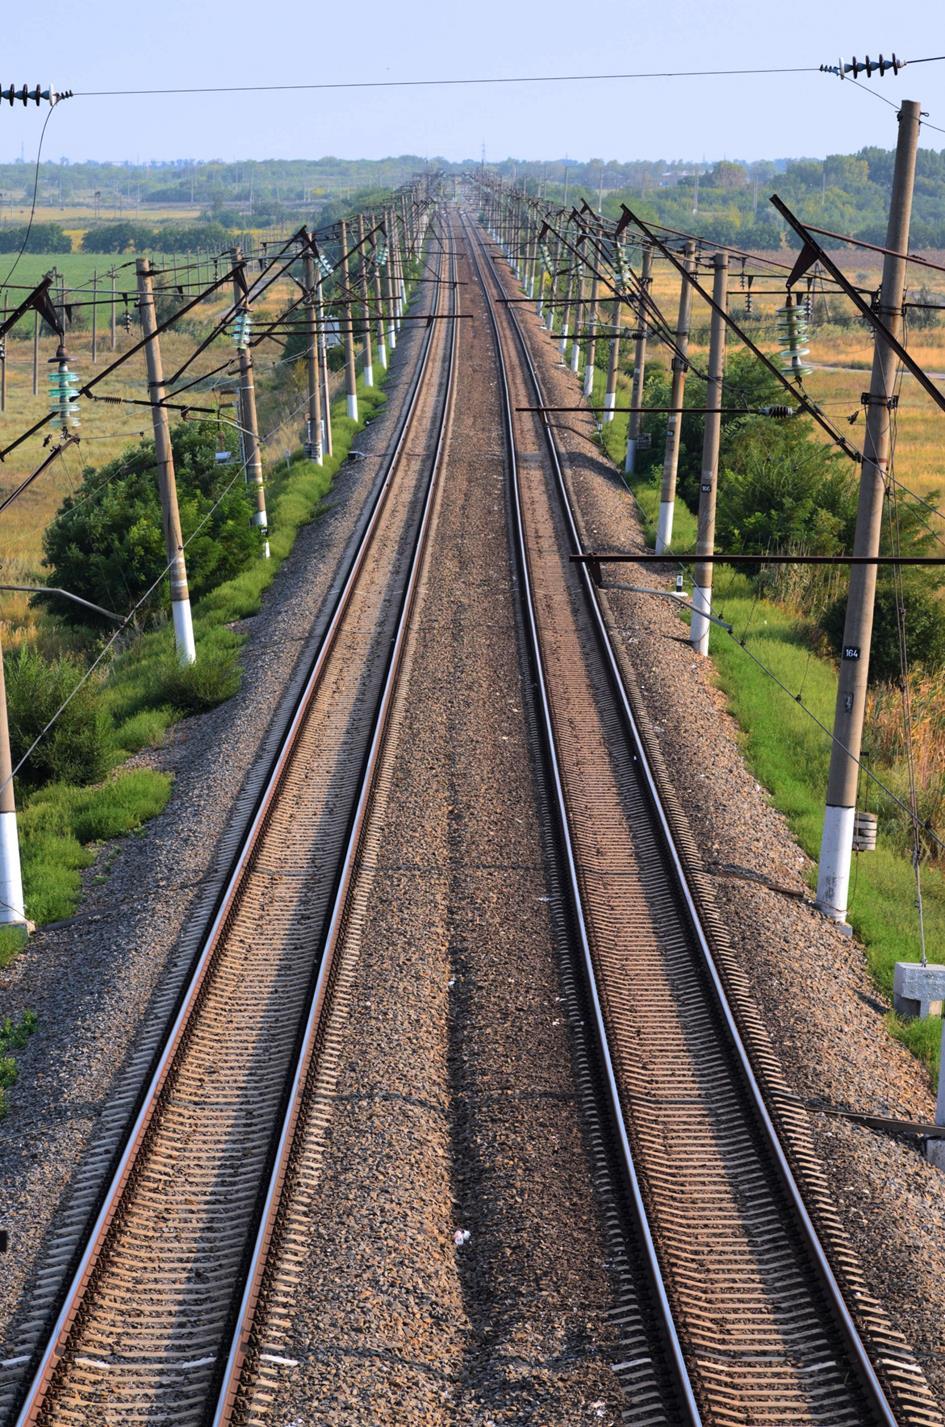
(811, 983)
(455, 1270)
(94, 981)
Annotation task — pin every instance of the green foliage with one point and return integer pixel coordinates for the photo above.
(214, 678)
(747, 385)
(43, 238)
(110, 549)
(57, 821)
(14, 1035)
(925, 627)
(78, 748)
(780, 490)
(127, 236)
(12, 941)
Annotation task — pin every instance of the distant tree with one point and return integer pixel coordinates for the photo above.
(43, 238)
(119, 237)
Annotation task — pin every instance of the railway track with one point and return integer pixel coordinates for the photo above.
(154, 1324)
(749, 1318)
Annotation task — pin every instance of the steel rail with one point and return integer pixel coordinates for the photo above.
(687, 1396)
(844, 1318)
(32, 1400)
(227, 1397)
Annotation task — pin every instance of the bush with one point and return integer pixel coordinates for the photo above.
(110, 549)
(925, 627)
(78, 748)
(782, 490)
(747, 385)
(214, 678)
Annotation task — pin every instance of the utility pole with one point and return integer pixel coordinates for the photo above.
(113, 318)
(639, 366)
(313, 435)
(379, 297)
(95, 317)
(12, 911)
(569, 297)
(708, 483)
(323, 360)
(388, 277)
(836, 848)
(249, 426)
(591, 341)
(167, 485)
(680, 366)
(613, 366)
(365, 309)
(35, 352)
(351, 376)
(579, 309)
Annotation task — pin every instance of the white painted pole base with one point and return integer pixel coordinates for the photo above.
(382, 355)
(392, 337)
(833, 869)
(631, 456)
(564, 340)
(353, 406)
(261, 521)
(369, 376)
(664, 526)
(610, 401)
(699, 629)
(589, 381)
(184, 631)
(11, 879)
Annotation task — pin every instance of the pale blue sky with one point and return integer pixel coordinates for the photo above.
(99, 45)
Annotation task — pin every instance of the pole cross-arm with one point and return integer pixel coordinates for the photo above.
(813, 252)
(799, 396)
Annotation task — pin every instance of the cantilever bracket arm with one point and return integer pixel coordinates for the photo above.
(799, 396)
(813, 252)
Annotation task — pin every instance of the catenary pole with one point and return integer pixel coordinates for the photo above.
(249, 425)
(368, 367)
(12, 911)
(347, 322)
(379, 303)
(709, 479)
(167, 485)
(613, 365)
(680, 366)
(314, 446)
(836, 848)
(588, 388)
(639, 366)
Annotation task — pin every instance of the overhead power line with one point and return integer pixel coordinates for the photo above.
(428, 83)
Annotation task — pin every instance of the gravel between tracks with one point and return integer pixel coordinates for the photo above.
(454, 1108)
(90, 980)
(810, 982)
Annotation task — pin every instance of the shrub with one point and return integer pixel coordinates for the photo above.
(783, 490)
(78, 748)
(110, 549)
(925, 627)
(214, 678)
